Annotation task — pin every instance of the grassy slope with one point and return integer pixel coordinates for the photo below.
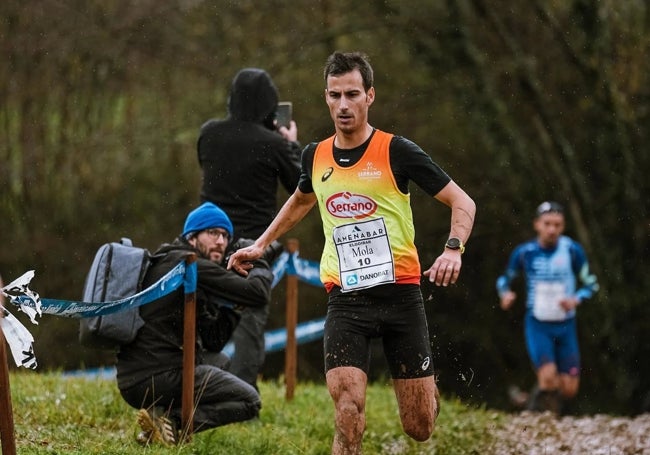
(54, 414)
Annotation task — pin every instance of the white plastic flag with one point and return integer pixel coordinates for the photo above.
(19, 293)
(19, 340)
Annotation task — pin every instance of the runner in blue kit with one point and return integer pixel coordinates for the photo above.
(558, 279)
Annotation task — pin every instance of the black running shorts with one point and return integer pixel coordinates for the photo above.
(394, 313)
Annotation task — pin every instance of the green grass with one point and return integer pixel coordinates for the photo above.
(62, 415)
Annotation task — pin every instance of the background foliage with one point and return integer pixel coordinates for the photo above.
(100, 105)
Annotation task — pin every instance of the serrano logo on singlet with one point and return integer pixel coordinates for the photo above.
(348, 205)
(369, 172)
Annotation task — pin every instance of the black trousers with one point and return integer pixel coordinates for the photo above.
(248, 340)
(220, 397)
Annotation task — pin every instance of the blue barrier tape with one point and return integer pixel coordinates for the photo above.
(280, 267)
(165, 285)
(190, 278)
(276, 340)
(181, 275)
(307, 271)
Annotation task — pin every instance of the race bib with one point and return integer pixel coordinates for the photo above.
(546, 304)
(364, 253)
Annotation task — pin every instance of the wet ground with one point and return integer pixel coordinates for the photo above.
(544, 434)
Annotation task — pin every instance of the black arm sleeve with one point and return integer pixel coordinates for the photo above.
(307, 164)
(254, 290)
(409, 162)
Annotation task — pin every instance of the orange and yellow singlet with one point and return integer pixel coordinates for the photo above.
(367, 220)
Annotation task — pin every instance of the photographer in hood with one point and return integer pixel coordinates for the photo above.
(242, 158)
(149, 370)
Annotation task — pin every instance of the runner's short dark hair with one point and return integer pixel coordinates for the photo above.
(343, 62)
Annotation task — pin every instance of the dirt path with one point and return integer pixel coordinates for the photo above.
(543, 434)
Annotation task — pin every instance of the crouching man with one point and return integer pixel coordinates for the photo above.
(149, 370)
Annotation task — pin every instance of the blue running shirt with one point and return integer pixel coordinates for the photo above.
(551, 274)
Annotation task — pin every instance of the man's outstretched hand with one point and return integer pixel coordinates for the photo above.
(241, 261)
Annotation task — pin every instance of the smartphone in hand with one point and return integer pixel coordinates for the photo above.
(283, 113)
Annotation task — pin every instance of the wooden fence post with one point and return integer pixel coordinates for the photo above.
(189, 354)
(7, 434)
(291, 350)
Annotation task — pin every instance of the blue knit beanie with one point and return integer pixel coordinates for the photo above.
(207, 216)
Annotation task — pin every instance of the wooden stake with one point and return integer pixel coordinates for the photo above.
(291, 350)
(189, 340)
(7, 434)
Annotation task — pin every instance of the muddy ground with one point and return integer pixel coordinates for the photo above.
(543, 434)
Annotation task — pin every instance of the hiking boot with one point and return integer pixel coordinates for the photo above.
(156, 427)
(551, 401)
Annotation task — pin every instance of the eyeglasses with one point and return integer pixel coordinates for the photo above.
(215, 233)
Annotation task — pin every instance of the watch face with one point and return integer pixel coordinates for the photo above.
(453, 243)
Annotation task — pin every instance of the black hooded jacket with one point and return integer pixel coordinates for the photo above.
(158, 345)
(243, 157)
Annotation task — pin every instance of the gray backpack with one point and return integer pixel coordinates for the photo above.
(117, 272)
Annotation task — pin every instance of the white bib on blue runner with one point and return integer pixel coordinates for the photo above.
(546, 306)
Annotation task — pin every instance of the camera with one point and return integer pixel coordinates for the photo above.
(283, 114)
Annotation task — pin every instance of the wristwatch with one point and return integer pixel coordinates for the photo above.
(454, 243)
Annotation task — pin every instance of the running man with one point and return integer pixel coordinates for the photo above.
(553, 265)
(370, 267)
